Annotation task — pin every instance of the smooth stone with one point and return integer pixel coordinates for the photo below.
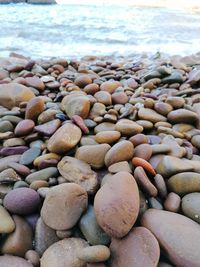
(160, 184)
(104, 126)
(163, 108)
(47, 115)
(150, 115)
(174, 77)
(147, 125)
(172, 202)
(138, 139)
(64, 253)
(190, 206)
(76, 104)
(33, 257)
(63, 206)
(119, 167)
(14, 261)
(127, 127)
(13, 119)
(144, 164)
(160, 149)
(38, 184)
(79, 172)
(118, 198)
(64, 139)
(103, 97)
(35, 82)
(178, 236)
(15, 150)
(155, 203)
(107, 137)
(6, 126)
(24, 127)
(20, 184)
(7, 225)
(182, 116)
(4, 162)
(44, 236)
(170, 165)
(37, 143)
(121, 151)
(44, 174)
(29, 156)
(110, 86)
(143, 151)
(175, 149)
(12, 94)
(20, 169)
(22, 201)
(20, 241)
(175, 101)
(119, 98)
(14, 142)
(34, 108)
(48, 128)
(92, 232)
(48, 156)
(184, 183)
(93, 155)
(138, 249)
(83, 80)
(9, 176)
(92, 254)
(196, 141)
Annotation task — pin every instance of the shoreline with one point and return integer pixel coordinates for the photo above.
(100, 161)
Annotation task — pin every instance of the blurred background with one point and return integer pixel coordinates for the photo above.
(75, 28)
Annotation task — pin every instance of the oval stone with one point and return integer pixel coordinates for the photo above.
(178, 236)
(64, 205)
(14, 261)
(64, 253)
(121, 151)
(128, 127)
(182, 115)
(94, 254)
(116, 204)
(65, 138)
(7, 225)
(191, 206)
(138, 249)
(22, 201)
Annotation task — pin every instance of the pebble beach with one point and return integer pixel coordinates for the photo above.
(99, 161)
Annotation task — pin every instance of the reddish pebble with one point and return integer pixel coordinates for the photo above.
(173, 202)
(24, 127)
(19, 168)
(80, 123)
(144, 164)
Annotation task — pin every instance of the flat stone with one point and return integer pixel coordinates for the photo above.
(79, 172)
(150, 115)
(29, 156)
(4, 162)
(34, 108)
(98, 253)
(190, 206)
(65, 138)
(48, 128)
(24, 127)
(44, 174)
(107, 137)
(121, 151)
(64, 205)
(127, 127)
(7, 225)
(93, 155)
(182, 116)
(14, 261)
(178, 236)
(20, 241)
(184, 183)
(12, 94)
(64, 253)
(138, 248)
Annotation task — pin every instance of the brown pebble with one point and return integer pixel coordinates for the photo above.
(172, 202)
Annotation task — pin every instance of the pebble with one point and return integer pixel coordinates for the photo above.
(48, 128)
(7, 225)
(34, 108)
(190, 206)
(12, 94)
(150, 115)
(89, 227)
(182, 116)
(144, 164)
(108, 137)
(33, 257)
(143, 151)
(138, 248)
(93, 155)
(64, 253)
(44, 174)
(24, 127)
(21, 201)
(14, 261)
(118, 198)
(93, 254)
(119, 166)
(63, 206)
(121, 151)
(127, 127)
(172, 202)
(180, 246)
(79, 172)
(64, 139)
(29, 156)
(20, 241)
